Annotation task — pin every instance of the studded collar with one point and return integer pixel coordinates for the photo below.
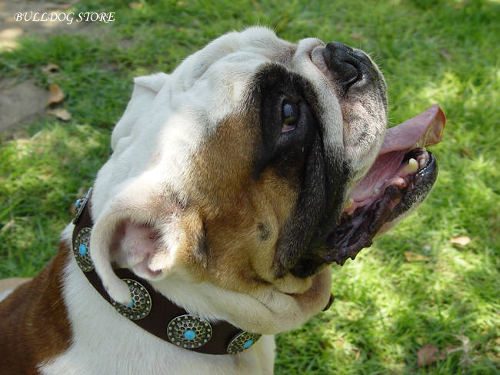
(151, 310)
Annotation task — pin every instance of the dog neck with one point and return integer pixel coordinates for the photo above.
(104, 342)
(151, 310)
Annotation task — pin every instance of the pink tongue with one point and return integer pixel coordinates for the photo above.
(422, 130)
(425, 129)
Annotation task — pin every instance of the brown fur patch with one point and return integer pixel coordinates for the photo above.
(33, 321)
(236, 208)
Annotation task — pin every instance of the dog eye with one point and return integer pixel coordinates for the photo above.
(289, 115)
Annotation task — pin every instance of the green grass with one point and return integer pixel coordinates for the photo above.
(386, 308)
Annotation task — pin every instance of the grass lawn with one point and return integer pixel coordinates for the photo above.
(387, 307)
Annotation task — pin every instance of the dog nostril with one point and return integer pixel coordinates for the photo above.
(349, 74)
(343, 63)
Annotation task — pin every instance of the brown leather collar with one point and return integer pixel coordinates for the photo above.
(163, 318)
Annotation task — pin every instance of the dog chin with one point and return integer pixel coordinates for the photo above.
(297, 306)
(316, 289)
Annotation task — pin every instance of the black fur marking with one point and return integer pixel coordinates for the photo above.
(299, 157)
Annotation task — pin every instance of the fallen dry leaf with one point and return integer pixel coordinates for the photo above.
(55, 94)
(466, 152)
(60, 113)
(50, 68)
(460, 240)
(414, 257)
(428, 354)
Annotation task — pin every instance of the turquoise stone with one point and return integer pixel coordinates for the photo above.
(248, 344)
(189, 334)
(82, 249)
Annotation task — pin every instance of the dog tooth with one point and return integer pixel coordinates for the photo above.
(375, 191)
(422, 162)
(412, 166)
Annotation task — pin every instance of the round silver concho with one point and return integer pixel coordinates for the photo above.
(188, 331)
(141, 304)
(81, 249)
(80, 205)
(242, 341)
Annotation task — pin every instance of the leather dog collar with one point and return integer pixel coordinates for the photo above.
(151, 310)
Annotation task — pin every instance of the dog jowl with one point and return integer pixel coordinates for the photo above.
(238, 178)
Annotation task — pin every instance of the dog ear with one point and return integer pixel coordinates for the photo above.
(151, 233)
(145, 90)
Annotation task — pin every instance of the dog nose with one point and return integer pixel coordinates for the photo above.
(344, 63)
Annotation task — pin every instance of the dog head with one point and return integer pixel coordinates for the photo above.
(230, 175)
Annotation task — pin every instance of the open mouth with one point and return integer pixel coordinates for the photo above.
(400, 178)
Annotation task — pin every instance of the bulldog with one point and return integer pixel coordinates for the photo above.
(234, 182)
